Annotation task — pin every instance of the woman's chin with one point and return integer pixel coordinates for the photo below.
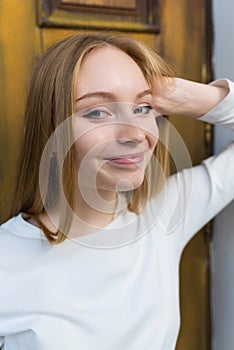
(114, 183)
(125, 185)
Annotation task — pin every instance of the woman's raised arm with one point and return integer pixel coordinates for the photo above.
(186, 98)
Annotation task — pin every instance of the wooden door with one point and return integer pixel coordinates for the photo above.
(181, 30)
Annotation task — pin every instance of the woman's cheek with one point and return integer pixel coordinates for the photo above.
(90, 145)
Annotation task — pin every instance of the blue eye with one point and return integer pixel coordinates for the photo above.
(142, 110)
(96, 115)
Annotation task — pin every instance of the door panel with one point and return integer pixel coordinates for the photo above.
(121, 15)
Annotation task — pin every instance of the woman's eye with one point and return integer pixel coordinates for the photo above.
(96, 115)
(142, 110)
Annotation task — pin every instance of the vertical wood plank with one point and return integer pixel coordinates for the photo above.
(19, 43)
(184, 41)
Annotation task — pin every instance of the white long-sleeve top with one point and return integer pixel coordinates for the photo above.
(91, 293)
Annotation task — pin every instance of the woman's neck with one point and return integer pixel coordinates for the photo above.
(91, 213)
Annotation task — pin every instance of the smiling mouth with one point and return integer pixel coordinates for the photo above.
(128, 159)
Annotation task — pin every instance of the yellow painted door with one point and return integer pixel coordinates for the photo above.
(181, 30)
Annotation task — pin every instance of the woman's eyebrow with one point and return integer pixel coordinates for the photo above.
(103, 94)
(144, 93)
(109, 95)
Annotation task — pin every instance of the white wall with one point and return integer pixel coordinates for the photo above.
(223, 241)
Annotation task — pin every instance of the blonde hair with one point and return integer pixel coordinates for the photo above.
(50, 101)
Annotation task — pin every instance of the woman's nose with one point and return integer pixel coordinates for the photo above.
(130, 134)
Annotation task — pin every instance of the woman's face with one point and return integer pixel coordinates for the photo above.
(114, 125)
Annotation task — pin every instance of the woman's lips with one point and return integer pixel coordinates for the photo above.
(127, 159)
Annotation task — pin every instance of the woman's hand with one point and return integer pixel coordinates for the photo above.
(186, 98)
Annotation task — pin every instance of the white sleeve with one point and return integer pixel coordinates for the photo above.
(223, 113)
(194, 196)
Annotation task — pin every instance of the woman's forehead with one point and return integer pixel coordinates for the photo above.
(109, 68)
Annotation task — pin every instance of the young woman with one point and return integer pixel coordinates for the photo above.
(90, 256)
